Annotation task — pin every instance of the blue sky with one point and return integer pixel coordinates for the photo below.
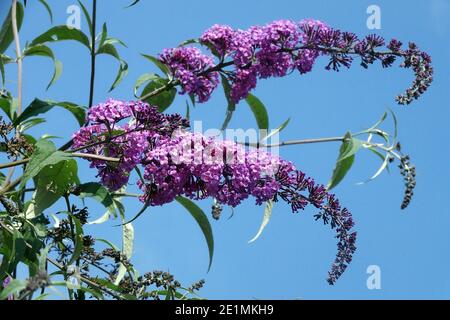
(292, 257)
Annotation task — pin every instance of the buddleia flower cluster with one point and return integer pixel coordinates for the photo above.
(280, 48)
(177, 162)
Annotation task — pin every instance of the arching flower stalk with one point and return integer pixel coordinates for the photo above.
(280, 48)
(177, 162)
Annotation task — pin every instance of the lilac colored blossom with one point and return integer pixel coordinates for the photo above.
(130, 140)
(188, 65)
(280, 47)
(199, 167)
(219, 37)
(243, 81)
(179, 163)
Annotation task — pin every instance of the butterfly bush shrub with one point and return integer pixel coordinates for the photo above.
(138, 143)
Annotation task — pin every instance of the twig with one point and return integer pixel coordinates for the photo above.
(74, 155)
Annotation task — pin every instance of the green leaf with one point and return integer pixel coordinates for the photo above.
(265, 221)
(86, 16)
(39, 106)
(231, 107)
(340, 170)
(44, 154)
(123, 71)
(157, 63)
(78, 240)
(4, 59)
(103, 35)
(203, 222)
(345, 160)
(127, 249)
(62, 33)
(44, 51)
(384, 165)
(111, 50)
(146, 77)
(394, 118)
(351, 146)
(6, 32)
(53, 182)
(277, 130)
(13, 288)
(259, 111)
(27, 124)
(7, 105)
(47, 7)
(162, 100)
(98, 192)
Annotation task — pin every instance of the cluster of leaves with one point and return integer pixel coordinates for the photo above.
(52, 242)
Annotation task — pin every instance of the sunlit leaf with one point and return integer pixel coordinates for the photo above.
(162, 100)
(265, 221)
(54, 181)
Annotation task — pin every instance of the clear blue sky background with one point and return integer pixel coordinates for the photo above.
(292, 257)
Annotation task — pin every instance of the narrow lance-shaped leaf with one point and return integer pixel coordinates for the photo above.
(44, 51)
(99, 193)
(86, 16)
(48, 8)
(37, 107)
(158, 63)
(265, 221)
(203, 222)
(62, 33)
(231, 107)
(345, 160)
(277, 130)
(78, 241)
(6, 32)
(111, 50)
(260, 113)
